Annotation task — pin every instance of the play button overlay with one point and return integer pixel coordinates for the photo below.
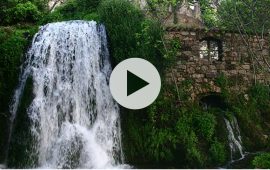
(135, 83)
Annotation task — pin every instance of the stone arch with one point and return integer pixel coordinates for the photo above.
(199, 89)
(212, 99)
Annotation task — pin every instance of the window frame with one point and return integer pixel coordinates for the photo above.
(210, 49)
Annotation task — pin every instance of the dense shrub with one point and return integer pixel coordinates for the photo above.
(13, 44)
(86, 5)
(130, 34)
(262, 161)
(205, 124)
(217, 153)
(42, 5)
(166, 133)
(68, 11)
(244, 16)
(252, 111)
(260, 96)
(23, 12)
(74, 10)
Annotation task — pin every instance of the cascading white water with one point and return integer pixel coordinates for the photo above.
(2, 166)
(74, 119)
(234, 137)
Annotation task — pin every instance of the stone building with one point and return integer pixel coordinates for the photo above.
(206, 54)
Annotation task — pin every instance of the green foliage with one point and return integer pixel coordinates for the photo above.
(244, 15)
(186, 136)
(123, 22)
(218, 153)
(172, 130)
(260, 96)
(222, 82)
(172, 50)
(53, 17)
(205, 125)
(41, 4)
(189, 140)
(74, 10)
(183, 93)
(86, 5)
(252, 110)
(179, 135)
(209, 14)
(13, 43)
(92, 16)
(67, 11)
(160, 144)
(262, 161)
(23, 12)
(130, 34)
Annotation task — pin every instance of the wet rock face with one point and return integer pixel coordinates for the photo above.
(55, 3)
(3, 136)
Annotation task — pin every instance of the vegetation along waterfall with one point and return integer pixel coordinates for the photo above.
(74, 121)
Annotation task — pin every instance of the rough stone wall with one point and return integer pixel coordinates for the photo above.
(183, 20)
(235, 60)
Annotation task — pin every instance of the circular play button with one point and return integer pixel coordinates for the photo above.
(135, 83)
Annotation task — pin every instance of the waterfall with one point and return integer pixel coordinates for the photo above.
(234, 138)
(74, 119)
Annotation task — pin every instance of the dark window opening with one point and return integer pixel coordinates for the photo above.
(211, 49)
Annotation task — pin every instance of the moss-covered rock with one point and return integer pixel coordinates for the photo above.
(13, 45)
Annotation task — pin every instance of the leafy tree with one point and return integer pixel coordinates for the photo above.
(73, 10)
(130, 33)
(88, 5)
(251, 20)
(245, 15)
(209, 13)
(23, 12)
